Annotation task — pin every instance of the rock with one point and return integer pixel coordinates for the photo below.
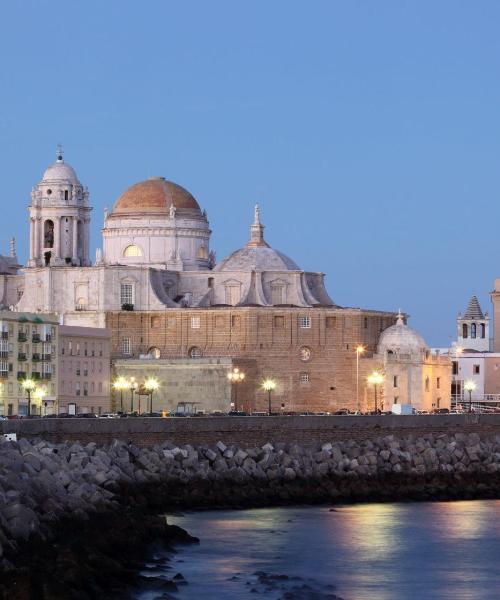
(221, 447)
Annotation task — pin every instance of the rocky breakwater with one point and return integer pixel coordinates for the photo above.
(76, 519)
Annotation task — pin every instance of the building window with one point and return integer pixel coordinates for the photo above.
(235, 321)
(395, 381)
(304, 378)
(438, 383)
(473, 331)
(465, 331)
(305, 322)
(483, 330)
(426, 384)
(85, 388)
(77, 388)
(126, 294)
(305, 354)
(154, 353)
(454, 367)
(92, 387)
(396, 399)
(195, 352)
(132, 251)
(279, 322)
(438, 402)
(210, 282)
(155, 322)
(277, 294)
(330, 322)
(125, 346)
(365, 322)
(100, 386)
(195, 322)
(476, 370)
(233, 294)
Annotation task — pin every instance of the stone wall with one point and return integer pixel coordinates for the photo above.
(248, 431)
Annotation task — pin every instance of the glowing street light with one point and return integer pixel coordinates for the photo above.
(29, 385)
(40, 394)
(269, 385)
(151, 385)
(375, 378)
(120, 384)
(470, 386)
(235, 376)
(359, 350)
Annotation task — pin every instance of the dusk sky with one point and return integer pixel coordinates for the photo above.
(369, 132)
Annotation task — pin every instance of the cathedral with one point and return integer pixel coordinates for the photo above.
(156, 286)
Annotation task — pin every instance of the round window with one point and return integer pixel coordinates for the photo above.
(305, 353)
(49, 192)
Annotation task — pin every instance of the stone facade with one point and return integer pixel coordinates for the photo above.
(28, 351)
(84, 370)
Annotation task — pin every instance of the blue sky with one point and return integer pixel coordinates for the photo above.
(369, 132)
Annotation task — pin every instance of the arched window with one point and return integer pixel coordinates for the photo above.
(131, 251)
(277, 293)
(483, 330)
(426, 384)
(473, 330)
(202, 252)
(154, 353)
(195, 352)
(48, 234)
(465, 331)
(233, 294)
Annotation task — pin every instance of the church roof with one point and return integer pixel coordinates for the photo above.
(60, 170)
(257, 255)
(401, 338)
(154, 195)
(473, 310)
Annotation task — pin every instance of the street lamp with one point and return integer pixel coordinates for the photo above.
(151, 385)
(29, 385)
(470, 386)
(40, 394)
(269, 385)
(359, 350)
(375, 378)
(235, 376)
(133, 385)
(120, 384)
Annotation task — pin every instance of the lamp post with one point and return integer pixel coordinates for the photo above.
(235, 376)
(375, 378)
(151, 385)
(29, 385)
(470, 386)
(120, 384)
(133, 385)
(269, 385)
(40, 394)
(359, 350)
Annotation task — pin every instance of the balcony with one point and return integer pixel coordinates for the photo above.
(36, 338)
(22, 337)
(35, 375)
(46, 375)
(21, 374)
(21, 356)
(5, 335)
(4, 374)
(36, 357)
(4, 354)
(48, 338)
(46, 357)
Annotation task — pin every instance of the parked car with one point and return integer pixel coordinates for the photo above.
(2, 418)
(238, 413)
(87, 416)
(108, 416)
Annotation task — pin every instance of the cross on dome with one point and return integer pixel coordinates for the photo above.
(257, 230)
(59, 153)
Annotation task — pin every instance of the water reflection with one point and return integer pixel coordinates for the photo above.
(369, 552)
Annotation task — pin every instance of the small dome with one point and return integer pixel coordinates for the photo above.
(400, 338)
(60, 171)
(257, 258)
(155, 195)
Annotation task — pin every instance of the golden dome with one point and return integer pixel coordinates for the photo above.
(155, 195)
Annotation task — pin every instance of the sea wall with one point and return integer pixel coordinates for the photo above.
(249, 431)
(42, 483)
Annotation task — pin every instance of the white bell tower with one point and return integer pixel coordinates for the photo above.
(59, 219)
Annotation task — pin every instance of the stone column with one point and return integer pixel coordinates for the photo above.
(75, 240)
(57, 237)
(86, 242)
(37, 223)
(32, 238)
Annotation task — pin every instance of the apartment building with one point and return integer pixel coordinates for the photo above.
(28, 357)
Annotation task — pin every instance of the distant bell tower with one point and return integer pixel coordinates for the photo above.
(473, 328)
(59, 218)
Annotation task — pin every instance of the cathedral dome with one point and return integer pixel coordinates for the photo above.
(154, 195)
(257, 255)
(257, 258)
(60, 171)
(400, 338)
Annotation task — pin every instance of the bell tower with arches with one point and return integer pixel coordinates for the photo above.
(59, 218)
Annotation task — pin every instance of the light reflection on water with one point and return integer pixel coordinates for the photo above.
(442, 550)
